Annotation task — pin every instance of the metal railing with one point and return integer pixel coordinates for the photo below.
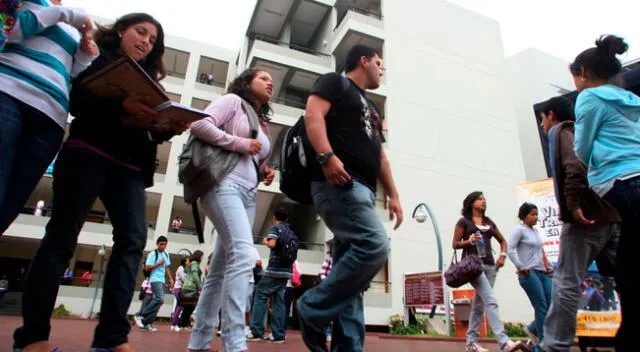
(312, 246)
(297, 47)
(287, 102)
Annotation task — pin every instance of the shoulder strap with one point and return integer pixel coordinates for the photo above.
(254, 125)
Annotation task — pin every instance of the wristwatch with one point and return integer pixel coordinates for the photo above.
(324, 158)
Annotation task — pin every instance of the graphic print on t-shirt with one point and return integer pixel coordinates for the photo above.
(370, 120)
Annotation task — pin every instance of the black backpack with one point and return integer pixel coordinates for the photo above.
(147, 273)
(287, 244)
(298, 160)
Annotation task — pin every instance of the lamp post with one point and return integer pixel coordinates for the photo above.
(422, 213)
(101, 252)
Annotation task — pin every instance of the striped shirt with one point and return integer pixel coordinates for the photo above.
(42, 55)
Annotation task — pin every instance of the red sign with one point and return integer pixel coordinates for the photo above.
(423, 288)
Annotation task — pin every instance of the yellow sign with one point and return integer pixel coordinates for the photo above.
(598, 324)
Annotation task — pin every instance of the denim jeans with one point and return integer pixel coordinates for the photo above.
(485, 301)
(29, 140)
(579, 246)
(537, 286)
(79, 178)
(231, 207)
(150, 311)
(269, 287)
(625, 197)
(363, 249)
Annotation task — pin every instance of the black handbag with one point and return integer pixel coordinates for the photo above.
(188, 298)
(463, 271)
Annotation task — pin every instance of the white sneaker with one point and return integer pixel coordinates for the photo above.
(138, 320)
(534, 339)
(251, 337)
(247, 330)
(511, 346)
(479, 348)
(149, 328)
(270, 338)
(328, 338)
(475, 347)
(175, 328)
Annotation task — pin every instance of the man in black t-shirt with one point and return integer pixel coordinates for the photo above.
(345, 129)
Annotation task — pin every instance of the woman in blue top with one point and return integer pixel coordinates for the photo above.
(607, 140)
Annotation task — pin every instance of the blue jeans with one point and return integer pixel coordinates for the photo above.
(537, 286)
(361, 249)
(231, 207)
(79, 178)
(625, 197)
(150, 311)
(274, 288)
(29, 140)
(485, 302)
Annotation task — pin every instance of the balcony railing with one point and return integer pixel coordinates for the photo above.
(297, 47)
(311, 246)
(366, 12)
(288, 102)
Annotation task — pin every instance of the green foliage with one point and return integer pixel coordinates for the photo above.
(61, 311)
(397, 327)
(514, 329)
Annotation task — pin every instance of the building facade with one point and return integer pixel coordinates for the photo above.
(449, 122)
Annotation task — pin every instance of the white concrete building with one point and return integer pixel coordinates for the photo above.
(450, 123)
(535, 76)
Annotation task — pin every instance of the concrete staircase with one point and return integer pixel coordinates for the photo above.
(11, 304)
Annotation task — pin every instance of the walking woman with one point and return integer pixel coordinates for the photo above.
(106, 158)
(526, 253)
(192, 282)
(607, 140)
(473, 234)
(177, 287)
(48, 46)
(231, 206)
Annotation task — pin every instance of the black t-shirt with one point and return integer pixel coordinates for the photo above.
(354, 128)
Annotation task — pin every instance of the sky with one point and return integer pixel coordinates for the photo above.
(559, 27)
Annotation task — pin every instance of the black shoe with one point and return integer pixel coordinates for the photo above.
(316, 341)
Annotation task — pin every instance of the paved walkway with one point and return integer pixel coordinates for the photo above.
(74, 335)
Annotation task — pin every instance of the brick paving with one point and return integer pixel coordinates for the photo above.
(74, 335)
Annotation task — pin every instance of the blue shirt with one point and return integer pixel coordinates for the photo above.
(607, 134)
(158, 274)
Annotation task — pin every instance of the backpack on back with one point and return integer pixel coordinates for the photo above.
(147, 273)
(296, 160)
(287, 244)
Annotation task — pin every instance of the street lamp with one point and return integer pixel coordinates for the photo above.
(101, 252)
(421, 213)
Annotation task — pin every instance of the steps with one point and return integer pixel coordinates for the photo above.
(11, 304)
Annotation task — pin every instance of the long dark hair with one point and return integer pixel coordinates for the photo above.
(240, 87)
(108, 38)
(467, 205)
(601, 60)
(197, 256)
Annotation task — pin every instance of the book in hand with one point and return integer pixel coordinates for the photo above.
(171, 113)
(123, 78)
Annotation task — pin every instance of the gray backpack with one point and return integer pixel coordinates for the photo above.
(202, 165)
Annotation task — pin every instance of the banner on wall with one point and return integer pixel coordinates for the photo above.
(599, 308)
(541, 194)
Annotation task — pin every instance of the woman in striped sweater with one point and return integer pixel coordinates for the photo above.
(49, 45)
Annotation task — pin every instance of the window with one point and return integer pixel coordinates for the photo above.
(176, 62)
(200, 104)
(212, 72)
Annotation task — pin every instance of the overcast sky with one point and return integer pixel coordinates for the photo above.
(559, 27)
